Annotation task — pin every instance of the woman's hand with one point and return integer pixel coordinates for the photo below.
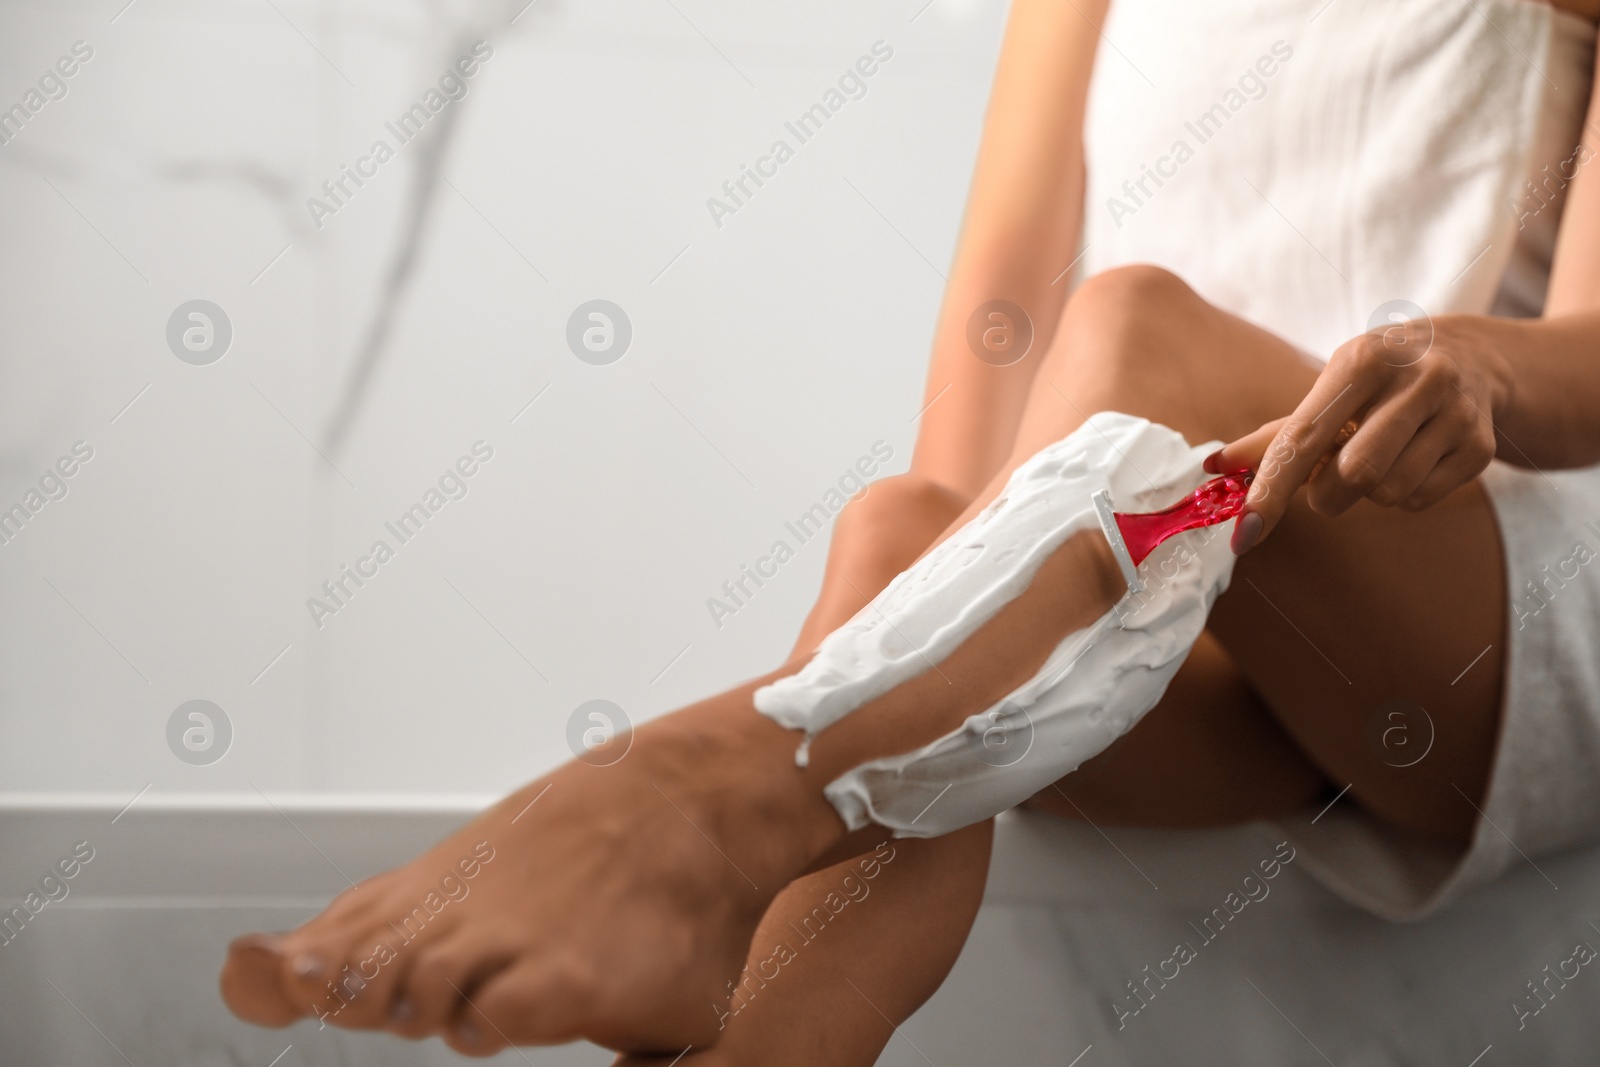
(1402, 416)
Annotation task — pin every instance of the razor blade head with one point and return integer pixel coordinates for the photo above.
(1119, 546)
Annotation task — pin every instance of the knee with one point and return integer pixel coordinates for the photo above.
(1138, 314)
(896, 518)
(1134, 290)
(882, 532)
(878, 534)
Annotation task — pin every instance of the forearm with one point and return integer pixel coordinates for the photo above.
(1550, 415)
(973, 406)
(1018, 237)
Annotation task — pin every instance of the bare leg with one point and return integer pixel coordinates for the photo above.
(647, 931)
(1213, 751)
(879, 535)
(1184, 763)
(619, 906)
(1209, 718)
(861, 944)
(866, 977)
(899, 913)
(1322, 631)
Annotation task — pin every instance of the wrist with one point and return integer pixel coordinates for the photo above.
(1500, 377)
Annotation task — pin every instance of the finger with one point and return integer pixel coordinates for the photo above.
(1362, 462)
(1438, 437)
(1454, 471)
(1300, 445)
(1246, 453)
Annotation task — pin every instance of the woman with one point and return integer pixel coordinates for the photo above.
(1252, 187)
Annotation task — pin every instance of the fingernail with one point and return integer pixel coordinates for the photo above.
(1210, 464)
(309, 965)
(401, 1011)
(1246, 532)
(470, 1033)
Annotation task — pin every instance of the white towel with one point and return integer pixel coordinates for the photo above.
(1303, 164)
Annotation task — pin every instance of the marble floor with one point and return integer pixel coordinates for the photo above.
(124, 969)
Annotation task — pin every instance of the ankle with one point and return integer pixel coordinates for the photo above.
(737, 768)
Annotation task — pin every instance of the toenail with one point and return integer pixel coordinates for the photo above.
(401, 1011)
(269, 943)
(309, 965)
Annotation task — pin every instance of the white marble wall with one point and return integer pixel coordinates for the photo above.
(768, 354)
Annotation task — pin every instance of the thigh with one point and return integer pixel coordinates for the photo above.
(1375, 640)
(1379, 641)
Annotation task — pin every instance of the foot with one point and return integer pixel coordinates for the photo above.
(614, 904)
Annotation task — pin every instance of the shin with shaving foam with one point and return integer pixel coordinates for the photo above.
(1095, 684)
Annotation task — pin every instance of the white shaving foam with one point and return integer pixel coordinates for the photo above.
(1096, 684)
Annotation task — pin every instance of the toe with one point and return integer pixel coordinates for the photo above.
(369, 980)
(314, 958)
(251, 982)
(471, 1035)
(538, 1001)
(442, 977)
